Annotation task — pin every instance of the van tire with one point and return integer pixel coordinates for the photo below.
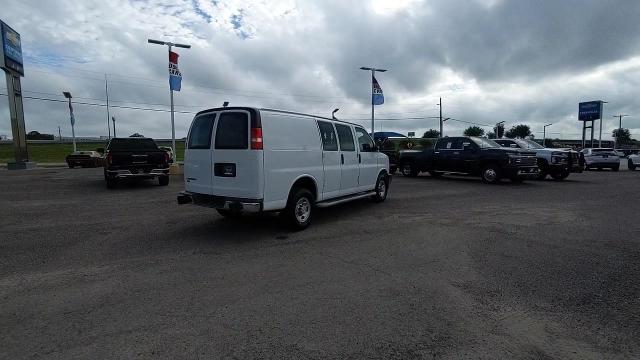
(382, 188)
(560, 175)
(299, 209)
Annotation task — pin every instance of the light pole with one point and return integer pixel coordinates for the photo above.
(619, 129)
(373, 71)
(73, 120)
(106, 90)
(333, 113)
(498, 129)
(441, 122)
(169, 46)
(544, 134)
(113, 118)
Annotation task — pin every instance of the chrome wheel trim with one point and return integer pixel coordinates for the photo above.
(490, 175)
(382, 188)
(302, 210)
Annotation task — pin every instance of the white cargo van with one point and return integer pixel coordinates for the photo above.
(241, 159)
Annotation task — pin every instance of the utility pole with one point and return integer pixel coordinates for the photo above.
(373, 72)
(106, 90)
(441, 125)
(59, 134)
(619, 129)
(114, 125)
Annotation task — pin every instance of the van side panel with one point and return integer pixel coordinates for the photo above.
(292, 149)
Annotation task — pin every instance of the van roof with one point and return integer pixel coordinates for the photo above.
(274, 110)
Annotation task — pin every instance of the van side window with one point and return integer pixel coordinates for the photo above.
(329, 140)
(200, 135)
(232, 131)
(345, 136)
(364, 139)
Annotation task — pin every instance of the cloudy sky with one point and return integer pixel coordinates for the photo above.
(490, 60)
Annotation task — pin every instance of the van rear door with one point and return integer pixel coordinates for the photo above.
(197, 157)
(237, 158)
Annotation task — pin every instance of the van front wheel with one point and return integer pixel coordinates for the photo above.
(299, 209)
(382, 187)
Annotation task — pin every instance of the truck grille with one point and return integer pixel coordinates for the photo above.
(526, 161)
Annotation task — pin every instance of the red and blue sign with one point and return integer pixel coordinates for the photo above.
(175, 76)
(377, 97)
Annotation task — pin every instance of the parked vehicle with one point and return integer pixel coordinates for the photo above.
(135, 157)
(633, 161)
(471, 156)
(392, 146)
(243, 159)
(558, 163)
(169, 151)
(84, 159)
(601, 158)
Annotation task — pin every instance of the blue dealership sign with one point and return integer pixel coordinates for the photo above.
(11, 50)
(590, 110)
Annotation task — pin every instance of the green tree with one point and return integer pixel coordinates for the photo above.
(622, 136)
(431, 133)
(519, 131)
(491, 135)
(474, 131)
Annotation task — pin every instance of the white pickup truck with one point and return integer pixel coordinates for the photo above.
(558, 163)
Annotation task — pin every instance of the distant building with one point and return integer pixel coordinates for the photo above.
(575, 144)
(3, 137)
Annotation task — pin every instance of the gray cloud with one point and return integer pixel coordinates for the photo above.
(518, 61)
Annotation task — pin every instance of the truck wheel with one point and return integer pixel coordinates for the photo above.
(299, 209)
(408, 170)
(112, 183)
(435, 174)
(163, 180)
(382, 187)
(631, 165)
(491, 174)
(560, 175)
(542, 175)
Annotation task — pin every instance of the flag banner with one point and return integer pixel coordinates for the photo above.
(175, 77)
(377, 97)
(73, 119)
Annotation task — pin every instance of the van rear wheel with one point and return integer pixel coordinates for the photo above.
(382, 187)
(299, 209)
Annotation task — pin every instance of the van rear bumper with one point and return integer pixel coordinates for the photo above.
(220, 202)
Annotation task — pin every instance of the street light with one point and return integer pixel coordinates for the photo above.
(442, 121)
(113, 118)
(333, 113)
(73, 120)
(544, 134)
(619, 129)
(169, 46)
(373, 71)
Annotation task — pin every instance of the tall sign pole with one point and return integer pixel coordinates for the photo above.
(106, 90)
(377, 97)
(12, 64)
(175, 78)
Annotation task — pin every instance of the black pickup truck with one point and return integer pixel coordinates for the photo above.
(471, 156)
(135, 157)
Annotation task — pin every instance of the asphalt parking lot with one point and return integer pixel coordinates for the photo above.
(445, 268)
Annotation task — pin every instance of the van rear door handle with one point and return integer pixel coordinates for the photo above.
(342, 159)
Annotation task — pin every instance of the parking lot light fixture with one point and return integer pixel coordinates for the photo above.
(67, 95)
(544, 134)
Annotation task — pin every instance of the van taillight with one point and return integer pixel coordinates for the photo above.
(256, 139)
